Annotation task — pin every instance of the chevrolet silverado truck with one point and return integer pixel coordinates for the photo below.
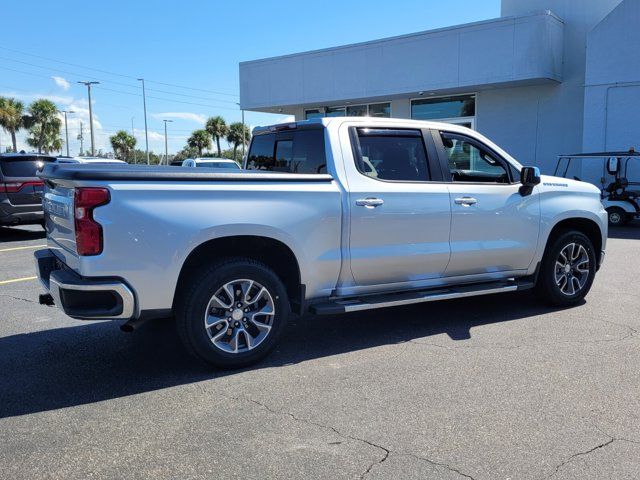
(328, 216)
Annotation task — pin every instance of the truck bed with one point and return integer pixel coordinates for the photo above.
(164, 173)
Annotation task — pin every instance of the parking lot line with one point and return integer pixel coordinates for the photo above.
(14, 280)
(20, 248)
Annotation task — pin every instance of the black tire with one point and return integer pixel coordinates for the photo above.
(617, 216)
(195, 298)
(546, 287)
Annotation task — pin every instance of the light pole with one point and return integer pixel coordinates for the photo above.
(244, 138)
(146, 131)
(66, 127)
(166, 148)
(133, 134)
(93, 145)
(81, 138)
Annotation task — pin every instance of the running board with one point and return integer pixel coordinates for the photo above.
(407, 298)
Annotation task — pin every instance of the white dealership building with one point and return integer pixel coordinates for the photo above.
(548, 77)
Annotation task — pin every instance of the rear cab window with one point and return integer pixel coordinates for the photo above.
(390, 154)
(24, 166)
(299, 150)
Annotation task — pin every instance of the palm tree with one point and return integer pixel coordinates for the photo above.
(238, 134)
(217, 128)
(122, 143)
(48, 139)
(199, 140)
(44, 124)
(11, 117)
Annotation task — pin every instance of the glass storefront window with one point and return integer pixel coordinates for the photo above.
(335, 112)
(380, 110)
(357, 111)
(315, 113)
(443, 107)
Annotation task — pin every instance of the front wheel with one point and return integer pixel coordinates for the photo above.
(232, 313)
(567, 269)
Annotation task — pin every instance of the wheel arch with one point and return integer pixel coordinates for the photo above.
(588, 227)
(272, 252)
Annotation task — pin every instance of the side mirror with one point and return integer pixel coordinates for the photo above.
(613, 165)
(530, 176)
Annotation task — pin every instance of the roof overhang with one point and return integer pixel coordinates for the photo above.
(511, 51)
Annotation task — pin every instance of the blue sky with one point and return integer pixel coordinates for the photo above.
(183, 44)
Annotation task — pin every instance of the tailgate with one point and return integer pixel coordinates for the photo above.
(58, 214)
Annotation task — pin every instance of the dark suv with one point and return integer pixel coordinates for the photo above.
(21, 189)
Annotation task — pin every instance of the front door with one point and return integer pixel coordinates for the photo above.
(493, 227)
(399, 220)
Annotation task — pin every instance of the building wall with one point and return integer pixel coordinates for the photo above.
(612, 97)
(536, 124)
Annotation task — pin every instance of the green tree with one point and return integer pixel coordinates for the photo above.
(199, 140)
(217, 128)
(186, 152)
(11, 117)
(44, 125)
(238, 134)
(122, 143)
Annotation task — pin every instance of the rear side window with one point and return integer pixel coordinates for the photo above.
(22, 166)
(387, 154)
(301, 151)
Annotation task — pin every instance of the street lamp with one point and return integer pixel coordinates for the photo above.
(166, 148)
(93, 145)
(66, 127)
(146, 131)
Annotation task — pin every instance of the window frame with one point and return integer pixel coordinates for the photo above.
(444, 158)
(430, 151)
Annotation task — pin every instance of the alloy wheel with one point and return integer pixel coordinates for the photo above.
(572, 269)
(239, 316)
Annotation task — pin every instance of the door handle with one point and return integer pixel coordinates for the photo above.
(466, 201)
(369, 202)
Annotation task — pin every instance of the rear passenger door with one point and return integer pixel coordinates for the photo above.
(399, 209)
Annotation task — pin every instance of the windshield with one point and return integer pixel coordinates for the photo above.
(229, 165)
(22, 166)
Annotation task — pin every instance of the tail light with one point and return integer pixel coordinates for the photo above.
(15, 187)
(88, 231)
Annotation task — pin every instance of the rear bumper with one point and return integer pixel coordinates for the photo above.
(83, 298)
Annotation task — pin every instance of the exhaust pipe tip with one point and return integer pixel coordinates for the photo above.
(133, 324)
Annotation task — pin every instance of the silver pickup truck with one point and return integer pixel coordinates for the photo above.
(328, 216)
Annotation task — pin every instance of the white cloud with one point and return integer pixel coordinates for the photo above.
(194, 117)
(61, 82)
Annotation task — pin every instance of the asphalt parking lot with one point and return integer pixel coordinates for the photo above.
(487, 388)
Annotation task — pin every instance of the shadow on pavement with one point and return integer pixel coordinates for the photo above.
(63, 367)
(631, 231)
(15, 234)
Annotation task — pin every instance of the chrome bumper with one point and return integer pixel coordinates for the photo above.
(83, 298)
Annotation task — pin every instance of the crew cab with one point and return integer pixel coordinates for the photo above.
(328, 216)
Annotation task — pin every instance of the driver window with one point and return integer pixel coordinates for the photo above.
(469, 163)
(390, 155)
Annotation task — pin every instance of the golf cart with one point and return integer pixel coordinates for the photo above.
(619, 198)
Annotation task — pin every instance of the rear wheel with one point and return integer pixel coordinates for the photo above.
(567, 269)
(232, 313)
(617, 216)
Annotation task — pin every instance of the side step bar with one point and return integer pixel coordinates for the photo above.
(419, 296)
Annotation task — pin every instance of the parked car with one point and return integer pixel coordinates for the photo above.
(88, 160)
(21, 189)
(330, 216)
(211, 163)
